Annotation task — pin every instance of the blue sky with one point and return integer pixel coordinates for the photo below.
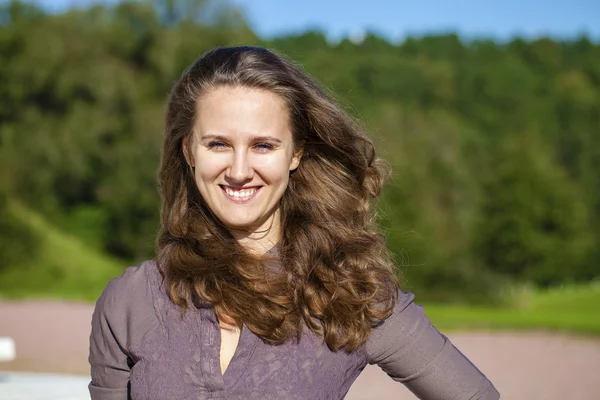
(499, 19)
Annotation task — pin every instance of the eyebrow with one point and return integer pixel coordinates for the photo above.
(252, 138)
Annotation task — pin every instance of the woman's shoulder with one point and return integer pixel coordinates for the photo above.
(133, 292)
(134, 280)
(126, 317)
(398, 327)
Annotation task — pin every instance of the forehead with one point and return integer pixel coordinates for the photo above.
(241, 111)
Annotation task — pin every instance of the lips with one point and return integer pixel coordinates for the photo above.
(240, 195)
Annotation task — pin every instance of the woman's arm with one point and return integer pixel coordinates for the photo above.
(412, 351)
(108, 356)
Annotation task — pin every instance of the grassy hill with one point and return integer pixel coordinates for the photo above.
(66, 268)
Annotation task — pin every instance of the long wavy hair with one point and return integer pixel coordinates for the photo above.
(332, 272)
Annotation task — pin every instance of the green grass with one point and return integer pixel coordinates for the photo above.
(573, 309)
(69, 269)
(65, 268)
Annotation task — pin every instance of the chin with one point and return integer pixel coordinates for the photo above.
(246, 226)
(241, 224)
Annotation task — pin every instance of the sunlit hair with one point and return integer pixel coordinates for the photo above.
(333, 273)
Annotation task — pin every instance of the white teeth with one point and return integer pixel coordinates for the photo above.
(240, 194)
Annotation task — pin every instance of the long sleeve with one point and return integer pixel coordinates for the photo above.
(108, 357)
(412, 351)
(125, 320)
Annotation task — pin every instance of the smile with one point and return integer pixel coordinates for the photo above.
(240, 195)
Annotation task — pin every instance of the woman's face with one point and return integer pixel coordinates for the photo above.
(243, 151)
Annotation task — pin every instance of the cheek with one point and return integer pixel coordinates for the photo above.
(273, 169)
(209, 168)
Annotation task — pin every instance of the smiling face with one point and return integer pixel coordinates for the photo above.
(242, 150)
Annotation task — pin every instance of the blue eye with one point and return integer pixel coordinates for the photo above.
(216, 145)
(263, 146)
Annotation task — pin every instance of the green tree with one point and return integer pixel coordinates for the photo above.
(534, 223)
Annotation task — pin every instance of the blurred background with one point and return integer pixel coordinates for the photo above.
(489, 113)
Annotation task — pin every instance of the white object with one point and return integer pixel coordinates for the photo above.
(7, 349)
(41, 386)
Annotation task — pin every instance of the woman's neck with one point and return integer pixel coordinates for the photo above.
(260, 241)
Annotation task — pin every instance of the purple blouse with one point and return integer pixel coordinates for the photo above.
(142, 348)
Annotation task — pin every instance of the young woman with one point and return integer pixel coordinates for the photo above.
(271, 280)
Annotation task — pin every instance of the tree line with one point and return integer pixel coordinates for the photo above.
(495, 147)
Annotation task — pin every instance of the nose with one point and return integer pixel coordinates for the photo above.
(240, 169)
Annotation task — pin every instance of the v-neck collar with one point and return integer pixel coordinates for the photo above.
(241, 357)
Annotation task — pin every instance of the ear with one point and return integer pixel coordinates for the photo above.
(296, 160)
(187, 153)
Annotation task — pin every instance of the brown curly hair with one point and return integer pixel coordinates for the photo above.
(333, 273)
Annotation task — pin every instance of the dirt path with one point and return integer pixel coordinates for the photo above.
(53, 337)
